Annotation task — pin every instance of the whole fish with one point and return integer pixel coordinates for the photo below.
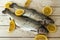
(31, 13)
(27, 24)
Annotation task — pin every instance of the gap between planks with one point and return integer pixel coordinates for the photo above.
(26, 38)
(26, 34)
(55, 2)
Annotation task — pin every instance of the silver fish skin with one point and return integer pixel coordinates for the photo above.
(31, 13)
(27, 24)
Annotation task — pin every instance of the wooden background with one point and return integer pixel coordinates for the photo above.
(23, 35)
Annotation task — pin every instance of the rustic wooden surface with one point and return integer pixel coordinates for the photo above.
(19, 34)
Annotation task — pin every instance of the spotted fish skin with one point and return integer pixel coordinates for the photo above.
(26, 23)
(31, 13)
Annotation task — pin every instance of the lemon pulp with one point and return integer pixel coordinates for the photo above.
(7, 5)
(51, 28)
(19, 12)
(47, 10)
(40, 37)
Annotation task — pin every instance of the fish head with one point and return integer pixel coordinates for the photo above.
(17, 19)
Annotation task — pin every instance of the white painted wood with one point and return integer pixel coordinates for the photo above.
(35, 4)
(22, 33)
(2, 2)
(26, 38)
(41, 2)
(56, 11)
(55, 2)
(54, 38)
(17, 33)
(56, 19)
(4, 20)
(56, 34)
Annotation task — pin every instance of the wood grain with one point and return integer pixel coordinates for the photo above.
(22, 33)
(55, 2)
(26, 38)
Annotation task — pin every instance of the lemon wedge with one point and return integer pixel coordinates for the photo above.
(12, 25)
(7, 5)
(40, 37)
(47, 10)
(19, 12)
(27, 3)
(51, 28)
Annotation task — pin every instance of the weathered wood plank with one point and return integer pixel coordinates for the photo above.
(56, 11)
(56, 34)
(55, 2)
(22, 33)
(56, 19)
(26, 38)
(4, 20)
(17, 33)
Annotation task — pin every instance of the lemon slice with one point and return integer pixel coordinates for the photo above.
(7, 5)
(40, 37)
(47, 10)
(27, 3)
(12, 25)
(19, 12)
(51, 28)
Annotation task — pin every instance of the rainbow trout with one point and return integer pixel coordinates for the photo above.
(27, 24)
